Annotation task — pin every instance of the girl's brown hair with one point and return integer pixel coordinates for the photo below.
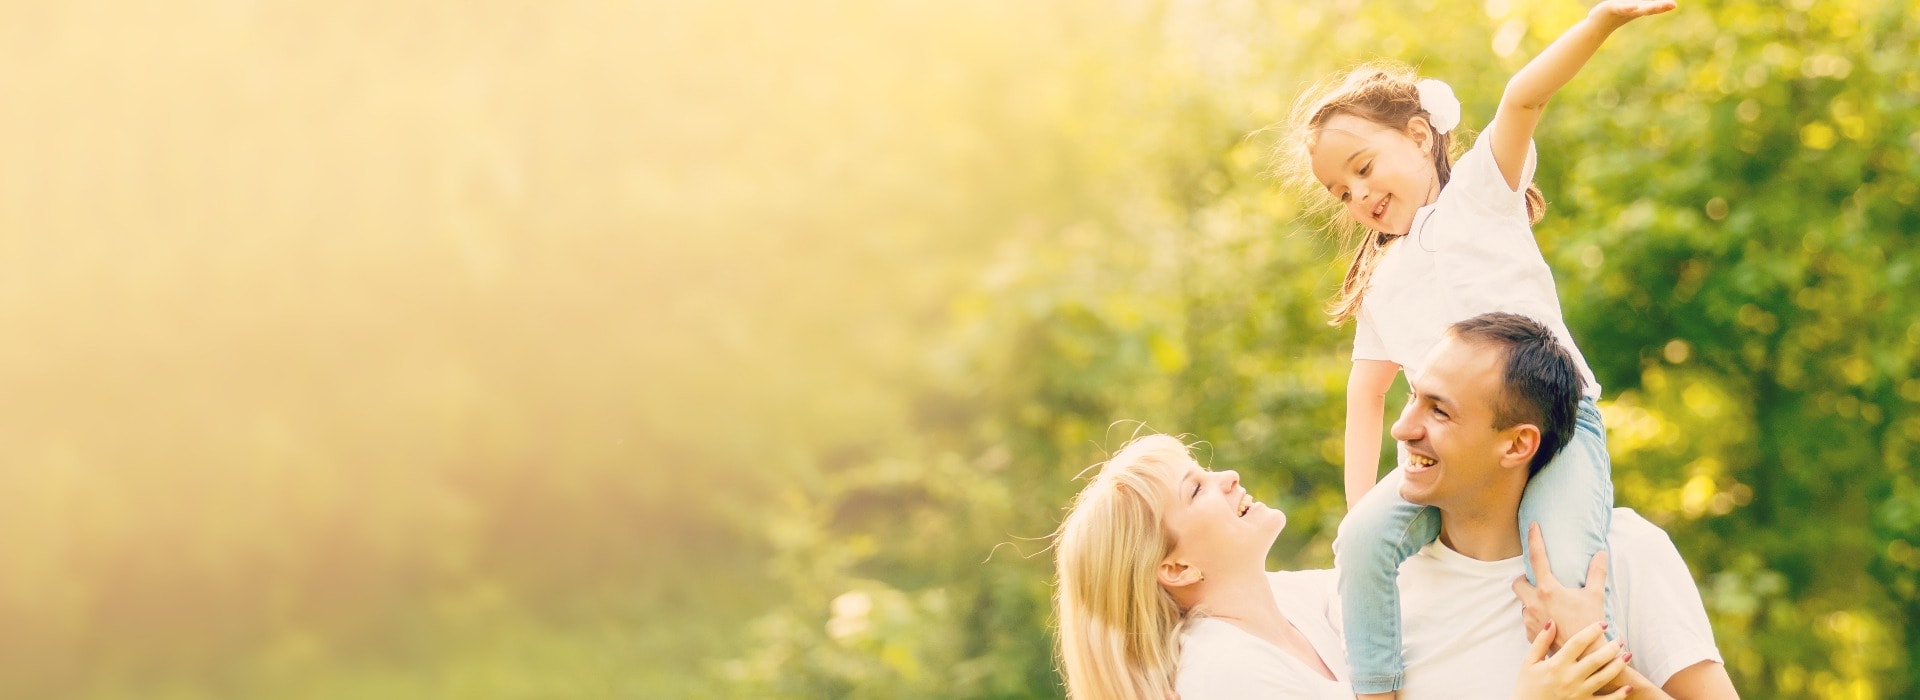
(1382, 93)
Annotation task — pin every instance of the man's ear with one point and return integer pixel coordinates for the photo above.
(1174, 574)
(1522, 442)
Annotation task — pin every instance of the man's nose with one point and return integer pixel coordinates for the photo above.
(1406, 428)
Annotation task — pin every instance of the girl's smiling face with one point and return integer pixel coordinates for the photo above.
(1381, 175)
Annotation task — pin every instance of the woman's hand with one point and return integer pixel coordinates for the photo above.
(1617, 12)
(1584, 665)
(1573, 608)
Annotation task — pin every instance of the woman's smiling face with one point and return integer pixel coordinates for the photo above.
(1381, 175)
(1213, 521)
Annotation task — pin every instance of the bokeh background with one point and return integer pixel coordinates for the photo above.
(495, 349)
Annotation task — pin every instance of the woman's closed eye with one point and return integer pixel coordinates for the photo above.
(1364, 169)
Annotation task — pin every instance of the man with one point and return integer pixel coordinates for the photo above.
(1490, 395)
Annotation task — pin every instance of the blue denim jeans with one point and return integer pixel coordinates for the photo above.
(1571, 498)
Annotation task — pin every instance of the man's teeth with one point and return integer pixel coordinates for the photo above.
(1422, 461)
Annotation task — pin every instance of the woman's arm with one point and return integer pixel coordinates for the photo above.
(1527, 93)
(1366, 409)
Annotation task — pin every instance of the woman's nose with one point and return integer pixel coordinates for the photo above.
(1230, 479)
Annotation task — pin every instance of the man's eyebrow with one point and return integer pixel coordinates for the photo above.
(1430, 396)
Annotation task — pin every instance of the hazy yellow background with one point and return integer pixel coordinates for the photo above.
(594, 349)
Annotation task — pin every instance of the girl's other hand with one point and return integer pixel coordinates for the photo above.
(1618, 12)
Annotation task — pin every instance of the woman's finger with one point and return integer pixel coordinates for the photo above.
(1540, 643)
(1599, 678)
(1600, 656)
(1578, 645)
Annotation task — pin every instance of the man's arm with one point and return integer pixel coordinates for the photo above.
(1707, 680)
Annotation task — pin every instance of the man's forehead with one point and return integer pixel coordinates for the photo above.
(1462, 371)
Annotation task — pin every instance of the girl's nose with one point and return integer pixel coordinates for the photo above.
(1231, 479)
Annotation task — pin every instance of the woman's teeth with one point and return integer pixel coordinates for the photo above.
(1246, 503)
(1380, 209)
(1422, 461)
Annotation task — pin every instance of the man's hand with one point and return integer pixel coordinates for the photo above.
(1580, 669)
(1570, 608)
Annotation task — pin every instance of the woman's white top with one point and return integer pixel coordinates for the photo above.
(1469, 252)
(1220, 660)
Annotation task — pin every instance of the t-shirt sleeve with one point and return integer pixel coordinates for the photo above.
(1367, 344)
(1666, 621)
(1476, 178)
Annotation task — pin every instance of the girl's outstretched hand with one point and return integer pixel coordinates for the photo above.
(1620, 11)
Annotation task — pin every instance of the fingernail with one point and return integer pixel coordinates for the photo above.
(1603, 625)
(1628, 658)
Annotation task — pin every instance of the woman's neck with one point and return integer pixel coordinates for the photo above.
(1245, 600)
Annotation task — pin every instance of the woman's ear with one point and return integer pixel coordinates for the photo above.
(1174, 574)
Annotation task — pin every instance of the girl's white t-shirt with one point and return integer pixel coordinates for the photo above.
(1220, 660)
(1469, 252)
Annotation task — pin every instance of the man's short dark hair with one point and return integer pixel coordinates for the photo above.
(1542, 384)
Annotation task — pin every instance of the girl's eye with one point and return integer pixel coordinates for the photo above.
(1196, 491)
(1344, 196)
(1364, 169)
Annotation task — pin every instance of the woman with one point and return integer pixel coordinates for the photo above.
(1163, 592)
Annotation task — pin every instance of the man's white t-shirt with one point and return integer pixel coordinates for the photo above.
(1470, 252)
(1462, 631)
(1220, 660)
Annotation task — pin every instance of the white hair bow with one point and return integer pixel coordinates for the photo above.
(1443, 109)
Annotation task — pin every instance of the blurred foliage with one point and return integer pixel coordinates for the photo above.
(737, 349)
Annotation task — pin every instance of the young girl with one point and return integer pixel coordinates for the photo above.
(1444, 241)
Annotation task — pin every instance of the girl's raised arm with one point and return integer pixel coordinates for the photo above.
(1528, 91)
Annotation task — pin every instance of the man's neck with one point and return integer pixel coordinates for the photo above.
(1482, 533)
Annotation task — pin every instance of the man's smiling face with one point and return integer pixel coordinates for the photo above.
(1454, 454)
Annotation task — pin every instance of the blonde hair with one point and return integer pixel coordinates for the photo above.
(1382, 93)
(1119, 630)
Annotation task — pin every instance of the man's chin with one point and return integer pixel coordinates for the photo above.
(1417, 494)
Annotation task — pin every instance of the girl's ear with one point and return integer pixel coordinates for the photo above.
(1421, 131)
